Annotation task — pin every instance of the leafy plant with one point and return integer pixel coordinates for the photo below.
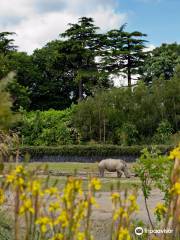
(50, 213)
(127, 134)
(163, 133)
(6, 226)
(154, 170)
(48, 128)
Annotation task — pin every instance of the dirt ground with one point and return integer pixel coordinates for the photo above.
(105, 206)
(102, 216)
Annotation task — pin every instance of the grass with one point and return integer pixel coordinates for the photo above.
(69, 167)
(108, 182)
(6, 223)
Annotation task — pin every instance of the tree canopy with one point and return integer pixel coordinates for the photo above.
(78, 69)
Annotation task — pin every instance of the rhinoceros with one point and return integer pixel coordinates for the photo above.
(113, 165)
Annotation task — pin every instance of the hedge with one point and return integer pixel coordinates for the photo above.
(89, 150)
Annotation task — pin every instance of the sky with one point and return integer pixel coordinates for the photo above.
(36, 22)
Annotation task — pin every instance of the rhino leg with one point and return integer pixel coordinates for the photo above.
(126, 172)
(119, 173)
(101, 172)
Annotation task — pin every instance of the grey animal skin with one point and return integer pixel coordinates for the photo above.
(113, 165)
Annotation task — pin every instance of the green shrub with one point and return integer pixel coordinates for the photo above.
(88, 150)
(163, 133)
(45, 128)
(127, 134)
(6, 226)
(175, 138)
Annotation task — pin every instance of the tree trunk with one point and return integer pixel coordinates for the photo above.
(100, 133)
(104, 130)
(80, 90)
(129, 66)
(129, 72)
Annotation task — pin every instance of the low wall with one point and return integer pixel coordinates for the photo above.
(85, 159)
(86, 153)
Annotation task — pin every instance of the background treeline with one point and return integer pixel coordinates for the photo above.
(65, 93)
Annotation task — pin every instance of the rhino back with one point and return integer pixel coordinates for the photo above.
(111, 164)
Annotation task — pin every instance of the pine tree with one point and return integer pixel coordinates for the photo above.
(124, 53)
(6, 43)
(81, 49)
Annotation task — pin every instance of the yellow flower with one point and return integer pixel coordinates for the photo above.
(115, 196)
(58, 236)
(118, 213)
(35, 187)
(125, 215)
(26, 207)
(54, 206)
(133, 205)
(77, 184)
(51, 191)
(19, 169)
(81, 236)
(2, 198)
(132, 198)
(44, 222)
(85, 204)
(160, 209)
(124, 234)
(62, 219)
(95, 183)
(176, 188)
(20, 181)
(10, 178)
(92, 201)
(175, 153)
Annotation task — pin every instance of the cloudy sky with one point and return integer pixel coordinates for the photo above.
(38, 21)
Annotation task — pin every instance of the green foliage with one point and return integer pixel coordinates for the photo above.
(104, 117)
(6, 43)
(48, 128)
(19, 95)
(6, 115)
(154, 170)
(80, 67)
(124, 52)
(127, 134)
(175, 138)
(163, 133)
(161, 62)
(4, 66)
(54, 86)
(82, 46)
(88, 150)
(6, 226)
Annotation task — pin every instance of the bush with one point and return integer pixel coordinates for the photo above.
(89, 150)
(45, 128)
(65, 213)
(127, 134)
(163, 133)
(175, 138)
(6, 226)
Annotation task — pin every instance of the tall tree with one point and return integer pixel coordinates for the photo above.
(124, 52)
(53, 86)
(6, 46)
(82, 42)
(161, 62)
(6, 43)
(6, 115)
(10, 63)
